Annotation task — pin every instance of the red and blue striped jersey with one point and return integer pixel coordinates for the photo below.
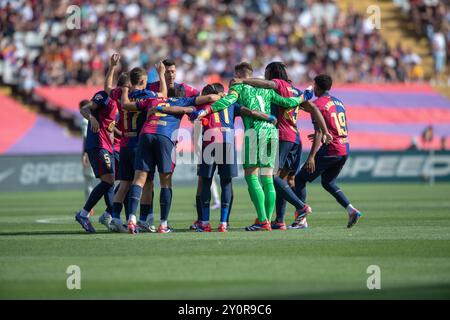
(287, 118)
(219, 126)
(104, 138)
(162, 123)
(333, 111)
(131, 122)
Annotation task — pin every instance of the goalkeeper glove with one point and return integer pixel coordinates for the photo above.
(272, 119)
(308, 93)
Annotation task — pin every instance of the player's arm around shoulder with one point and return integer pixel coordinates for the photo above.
(290, 102)
(185, 107)
(226, 101)
(256, 82)
(126, 103)
(209, 98)
(204, 100)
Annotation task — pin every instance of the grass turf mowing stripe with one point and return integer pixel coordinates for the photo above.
(405, 230)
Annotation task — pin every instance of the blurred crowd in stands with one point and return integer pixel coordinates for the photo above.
(432, 19)
(206, 38)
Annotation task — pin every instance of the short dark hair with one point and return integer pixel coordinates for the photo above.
(168, 62)
(323, 81)
(83, 103)
(243, 66)
(123, 79)
(277, 70)
(213, 88)
(136, 74)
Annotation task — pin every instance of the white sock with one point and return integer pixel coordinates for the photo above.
(224, 224)
(132, 218)
(163, 223)
(84, 213)
(205, 222)
(350, 209)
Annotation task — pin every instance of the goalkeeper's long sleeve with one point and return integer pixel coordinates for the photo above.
(225, 102)
(290, 102)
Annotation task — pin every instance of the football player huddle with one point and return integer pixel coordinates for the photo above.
(133, 130)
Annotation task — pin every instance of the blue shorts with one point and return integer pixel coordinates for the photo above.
(290, 155)
(154, 150)
(226, 163)
(328, 167)
(127, 158)
(102, 161)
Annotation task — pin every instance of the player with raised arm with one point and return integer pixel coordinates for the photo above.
(290, 146)
(260, 142)
(132, 124)
(114, 93)
(219, 151)
(101, 113)
(156, 143)
(174, 89)
(324, 160)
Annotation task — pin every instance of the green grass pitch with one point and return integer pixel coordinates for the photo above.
(405, 231)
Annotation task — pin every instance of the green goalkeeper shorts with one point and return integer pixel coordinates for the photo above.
(260, 148)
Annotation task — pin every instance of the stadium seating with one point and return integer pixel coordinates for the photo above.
(381, 117)
(25, 132)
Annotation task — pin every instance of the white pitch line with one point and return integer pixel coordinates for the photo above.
(54, 220)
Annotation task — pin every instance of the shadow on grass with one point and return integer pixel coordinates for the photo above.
(441, 291)
(62, 232)
(49, 233)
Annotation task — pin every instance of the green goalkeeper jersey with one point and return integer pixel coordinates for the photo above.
(259, 99)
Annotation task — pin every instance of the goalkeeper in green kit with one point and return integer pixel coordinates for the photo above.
(260, 140)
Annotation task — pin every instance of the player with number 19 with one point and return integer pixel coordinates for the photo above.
(327, 160)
